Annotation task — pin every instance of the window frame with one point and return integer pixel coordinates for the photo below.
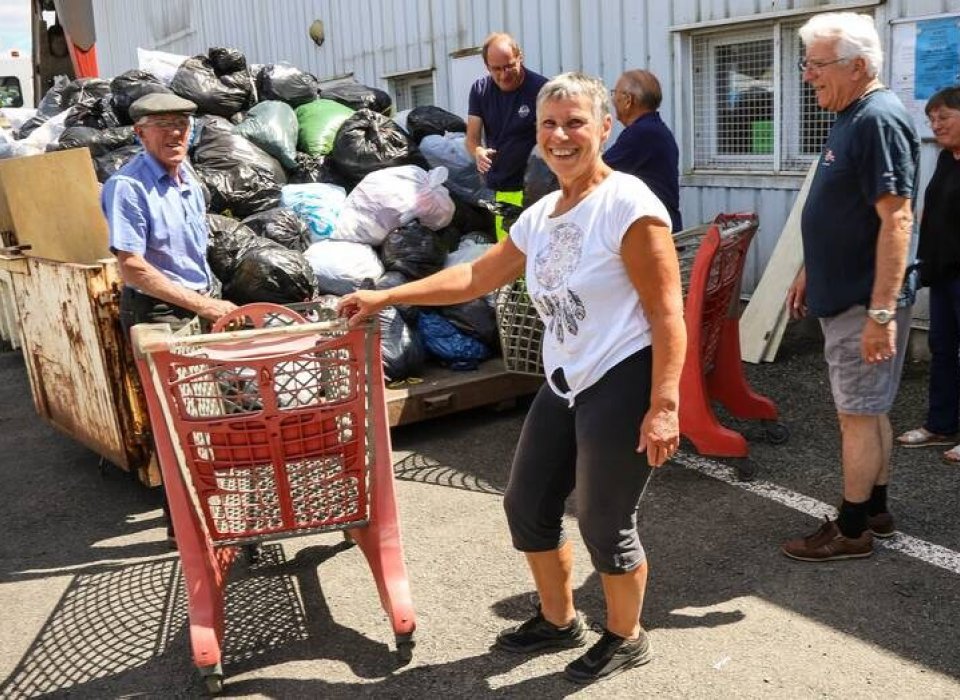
(704, 163)
(402, 87)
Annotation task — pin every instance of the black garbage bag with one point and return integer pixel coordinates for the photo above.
(84, 91)
(413, 250)
(315, 169)
(223, 95)
(476, 318)
(270, 272)
(469, 217)
(281, 225)
(240, 191)
(357, 96)
(242, 178)
(226, 60)
(392, 279)
(538, 179)
(428, 120)
(111, 161)
(97, 115)
(403, 353)
(130, 86)
(229, 241)
(98, 141)
(286, 83)
(52, 103)
(368, 141)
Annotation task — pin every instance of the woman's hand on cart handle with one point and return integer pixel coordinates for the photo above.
(360, 305)
(659, 435)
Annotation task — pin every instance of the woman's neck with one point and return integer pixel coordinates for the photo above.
(572, 192)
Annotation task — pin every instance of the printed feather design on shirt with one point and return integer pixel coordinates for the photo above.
(562, 308)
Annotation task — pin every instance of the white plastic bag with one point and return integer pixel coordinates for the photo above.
(38, 140)
(317, 203)
(342, 266)
(162, 64)
(449, 151)
(389, 198)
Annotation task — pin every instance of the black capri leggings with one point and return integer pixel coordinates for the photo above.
(591, 446)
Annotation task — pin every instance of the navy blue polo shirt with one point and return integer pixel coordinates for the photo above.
(871, 150)
(509, 126)
(648, 150)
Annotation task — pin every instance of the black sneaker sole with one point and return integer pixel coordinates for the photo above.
(571, 643)
(884, 535)
(586, 679)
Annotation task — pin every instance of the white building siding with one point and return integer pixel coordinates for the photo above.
(375, 39)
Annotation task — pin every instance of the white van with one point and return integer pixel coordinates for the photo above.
(16, 80)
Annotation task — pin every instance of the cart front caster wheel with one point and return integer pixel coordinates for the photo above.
(405, 645)
(745, 468)
(776, 433)
(212, 679)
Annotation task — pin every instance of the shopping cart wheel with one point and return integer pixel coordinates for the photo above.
(775, 433)
(212, 679)
(405, 645)
(745, 467)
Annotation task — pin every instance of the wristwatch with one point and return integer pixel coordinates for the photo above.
(881, 316)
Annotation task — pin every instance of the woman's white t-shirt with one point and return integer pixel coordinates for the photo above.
(578, 281)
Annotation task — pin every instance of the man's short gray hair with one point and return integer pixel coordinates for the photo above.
(856, 36)
(574, 84)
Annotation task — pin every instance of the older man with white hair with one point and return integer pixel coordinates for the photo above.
(856, 225)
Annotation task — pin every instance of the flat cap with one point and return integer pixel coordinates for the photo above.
(161, 103)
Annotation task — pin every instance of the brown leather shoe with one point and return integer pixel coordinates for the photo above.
(828, 544)
(881, 525)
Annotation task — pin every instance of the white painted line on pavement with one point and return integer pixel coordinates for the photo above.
(927, 552)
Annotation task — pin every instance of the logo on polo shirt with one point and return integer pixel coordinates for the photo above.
(829, 158)
(523, 111)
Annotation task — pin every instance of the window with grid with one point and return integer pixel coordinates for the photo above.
(752, 112)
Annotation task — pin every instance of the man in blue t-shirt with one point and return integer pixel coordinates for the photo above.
(856, 225)
(646, 147)
(502, 119)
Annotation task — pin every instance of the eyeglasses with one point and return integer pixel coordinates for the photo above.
(169, 124)
(803, 64)
(935, 119)
(507, 68)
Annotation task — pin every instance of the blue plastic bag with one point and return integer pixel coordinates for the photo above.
(317, 203)
(442, 339)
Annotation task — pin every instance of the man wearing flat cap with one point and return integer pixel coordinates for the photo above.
(156, 213)
(157, 220)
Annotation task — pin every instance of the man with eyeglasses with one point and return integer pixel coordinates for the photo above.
(856, 226)
(156, 214)
(646, 148)
(502, 120)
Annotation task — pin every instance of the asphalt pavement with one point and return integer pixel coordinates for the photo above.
(93, 606)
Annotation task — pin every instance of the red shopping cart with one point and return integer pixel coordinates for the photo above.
(273, 430)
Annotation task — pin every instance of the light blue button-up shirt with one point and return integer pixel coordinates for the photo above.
(150, 215)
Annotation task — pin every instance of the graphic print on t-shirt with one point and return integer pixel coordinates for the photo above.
(562, 307)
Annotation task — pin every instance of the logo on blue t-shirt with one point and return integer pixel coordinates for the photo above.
(523, 111)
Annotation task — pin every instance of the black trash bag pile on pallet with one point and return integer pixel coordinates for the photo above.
(280, 158)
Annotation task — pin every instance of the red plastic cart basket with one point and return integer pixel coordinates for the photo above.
(712, 370)
(273, 430)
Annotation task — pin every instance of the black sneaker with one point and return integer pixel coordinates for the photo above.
(608, 657)
(537, 633)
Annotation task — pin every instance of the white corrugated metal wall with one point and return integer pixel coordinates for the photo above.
(376, 38)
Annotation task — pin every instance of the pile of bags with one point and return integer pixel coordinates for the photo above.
(310, 191)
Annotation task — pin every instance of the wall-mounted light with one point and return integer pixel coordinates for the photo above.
(316, 32)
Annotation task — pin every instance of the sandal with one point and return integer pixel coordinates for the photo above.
(921, 437)
(952, 456)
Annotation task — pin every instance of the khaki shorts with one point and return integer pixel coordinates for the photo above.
(860, 388)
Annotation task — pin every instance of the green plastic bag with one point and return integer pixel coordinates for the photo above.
(319, 121)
